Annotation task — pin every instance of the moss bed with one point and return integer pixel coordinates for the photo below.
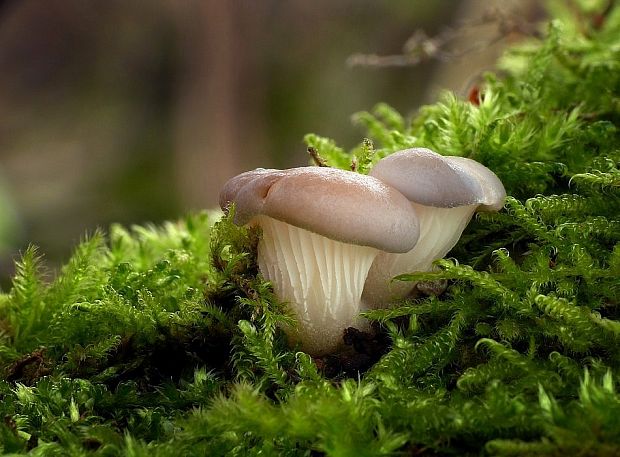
(163, 340)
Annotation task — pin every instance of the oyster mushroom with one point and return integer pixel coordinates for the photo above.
(321, 230)
(445, 192)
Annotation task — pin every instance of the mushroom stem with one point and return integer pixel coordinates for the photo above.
(440, 230)
(320, 278)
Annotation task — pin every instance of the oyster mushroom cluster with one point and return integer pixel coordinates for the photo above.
(332, 240)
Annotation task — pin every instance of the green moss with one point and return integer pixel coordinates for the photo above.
(164, 341)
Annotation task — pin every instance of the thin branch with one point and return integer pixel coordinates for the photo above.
(421, 48)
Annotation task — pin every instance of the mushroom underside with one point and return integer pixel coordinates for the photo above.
(440, 230)
(321, 279)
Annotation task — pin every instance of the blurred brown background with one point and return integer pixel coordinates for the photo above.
(133, 112)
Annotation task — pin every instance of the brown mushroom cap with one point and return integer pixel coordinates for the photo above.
(338, 204)
(431, 179)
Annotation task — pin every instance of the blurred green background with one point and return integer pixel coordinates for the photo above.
(134, 112)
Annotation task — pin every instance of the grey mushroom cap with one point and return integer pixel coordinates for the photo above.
(493, 191)
(431, 179)
(338, 204)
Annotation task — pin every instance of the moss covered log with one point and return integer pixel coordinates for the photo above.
(161, 341)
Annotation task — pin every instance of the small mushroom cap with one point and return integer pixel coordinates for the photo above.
(338, 204)
(493, 192)
(431, 179)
